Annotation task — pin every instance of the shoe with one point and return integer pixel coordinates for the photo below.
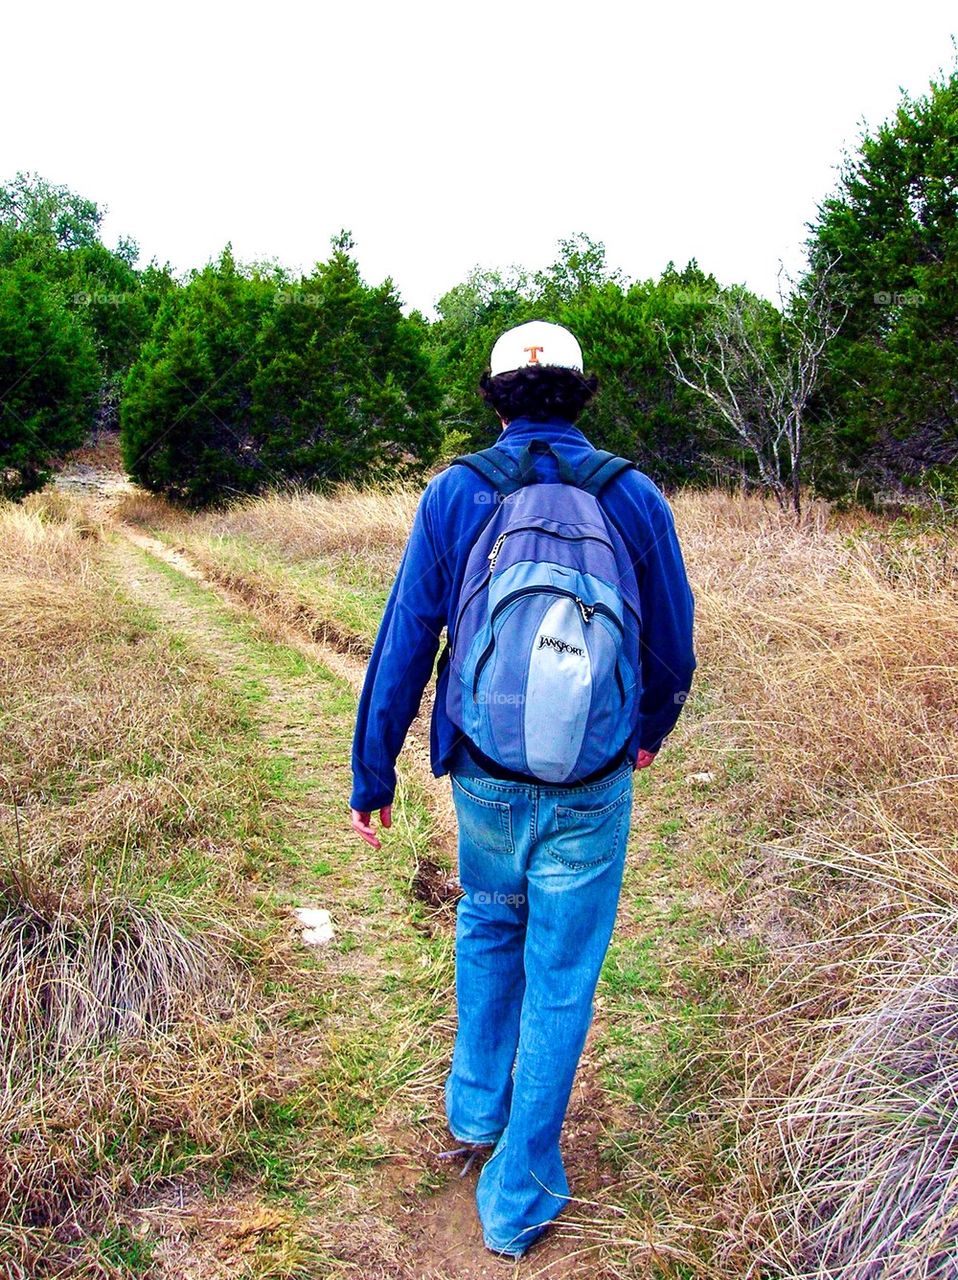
(503, 1255)
(509, 1259)
(468, 1149)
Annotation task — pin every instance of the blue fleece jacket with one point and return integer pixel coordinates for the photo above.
(454, 506)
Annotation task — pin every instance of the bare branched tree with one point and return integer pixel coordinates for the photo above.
(756, 368)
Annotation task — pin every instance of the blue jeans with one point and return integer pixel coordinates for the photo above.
(541, 870)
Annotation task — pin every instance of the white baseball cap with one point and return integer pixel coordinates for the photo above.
(536, 343)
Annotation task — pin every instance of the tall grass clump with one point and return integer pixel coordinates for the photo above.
(82, 972)
(870, 1135)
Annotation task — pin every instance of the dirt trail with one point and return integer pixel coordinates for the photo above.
(340, 660)
(404, 1232)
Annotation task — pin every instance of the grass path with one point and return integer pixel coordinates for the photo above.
(364, 1013)
(347, 1154)
(346, 1177)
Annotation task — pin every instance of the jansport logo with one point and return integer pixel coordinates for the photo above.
(560, 646)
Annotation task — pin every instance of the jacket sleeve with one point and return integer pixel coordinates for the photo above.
(667, 656)
(400, 665)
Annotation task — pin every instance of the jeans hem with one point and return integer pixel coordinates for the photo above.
(475, 1142)
(514, 1253)
(503, 1253)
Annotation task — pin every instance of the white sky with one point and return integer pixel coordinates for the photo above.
(449, 135)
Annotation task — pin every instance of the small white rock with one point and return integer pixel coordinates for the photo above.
(319, 926)
(312, 917)
(701, 777)
(318, 937)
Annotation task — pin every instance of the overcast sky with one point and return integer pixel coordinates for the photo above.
(452, 135)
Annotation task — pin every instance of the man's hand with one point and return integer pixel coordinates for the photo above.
(363, 826)
(642, 760)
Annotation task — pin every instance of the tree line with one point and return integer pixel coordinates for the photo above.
(241, 376)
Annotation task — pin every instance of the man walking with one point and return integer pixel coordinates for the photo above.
(571, 657)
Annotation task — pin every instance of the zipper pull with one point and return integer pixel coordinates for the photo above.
(587, 610)
(496, 548)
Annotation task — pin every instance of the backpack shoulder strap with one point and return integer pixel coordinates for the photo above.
(507, 473)
(596, 472)
(501, 469)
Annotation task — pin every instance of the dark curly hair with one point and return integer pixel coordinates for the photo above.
(538, 392)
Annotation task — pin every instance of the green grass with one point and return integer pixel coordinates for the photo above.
(382, 1059)
(336, 588)
(128, 1253)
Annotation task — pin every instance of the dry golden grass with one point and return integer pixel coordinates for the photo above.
(139, 507)
(352, 523)
(830, 651)
(306, 526)
(127, 1037)
(834, 649)
(46, 535)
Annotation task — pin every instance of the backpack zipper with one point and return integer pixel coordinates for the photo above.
(549, 533)
(568, 537)
(472, 595)
(587, 611)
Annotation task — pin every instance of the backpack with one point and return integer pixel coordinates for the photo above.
(544, 644)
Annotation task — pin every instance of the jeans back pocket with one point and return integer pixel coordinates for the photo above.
(485, 823)
(586, 836)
